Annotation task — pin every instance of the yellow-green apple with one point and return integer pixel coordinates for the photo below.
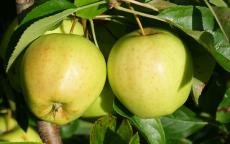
(19, 135)
(103, 105)
(150, 74)
(64, 27)
(62, 75)
(7, 123)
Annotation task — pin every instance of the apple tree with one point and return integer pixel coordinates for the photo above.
(115, 71)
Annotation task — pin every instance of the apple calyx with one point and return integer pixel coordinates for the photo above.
(55, 108)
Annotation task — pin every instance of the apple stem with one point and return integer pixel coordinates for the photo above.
(49, 132)
(117, 7)
(93, 32)
(73, 25)
(138, 21)
(84, 24)
(141, 4)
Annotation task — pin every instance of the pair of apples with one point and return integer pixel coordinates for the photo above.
(62, 75)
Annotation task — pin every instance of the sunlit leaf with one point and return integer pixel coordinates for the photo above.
(90, 12)
(47, 8)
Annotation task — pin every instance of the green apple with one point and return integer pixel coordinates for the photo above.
(151, 75)
(7, 123)
(65, 27)
(103, 105)
(18, 135)
(62, 75)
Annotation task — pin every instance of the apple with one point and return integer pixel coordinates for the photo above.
(7, 123)
(65, 28)
(11, 132)
(150, 74)
(19, 135)
(61, 76)
(103, 105)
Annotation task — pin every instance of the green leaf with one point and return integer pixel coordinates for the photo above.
(223, 111)
(161, 4)
(151, 129)
(135, 139)
(69, 129)
(104, 131)
(179, 141)
(90, 12)
(222, 16)
(198, 23)
(38, 28)
(76, 127)
(219, 3)
(101, 128)
(181, 124)
(125, 131)
(47, 8)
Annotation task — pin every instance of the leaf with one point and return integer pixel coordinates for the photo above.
(47, 8)
(101, 128)
(181, 124)
(38, 28)
(151, 129)
(223, 111)
(69, 129)
(161, 4)
(125, 131)
(135, 139)
(219, 3)
(198, 23)
(222, 16)
(76, 127)
(90, 12)
(104, 131)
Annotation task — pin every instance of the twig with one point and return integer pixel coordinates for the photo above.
(138, 21)
(84, 24)
(22, 5)
(141, 4)
(139, 13)
(73, 25)
(93, 32)
(49, 132)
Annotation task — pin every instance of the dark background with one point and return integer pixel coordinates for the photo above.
(7, 14)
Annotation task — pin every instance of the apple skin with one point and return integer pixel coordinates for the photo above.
(62, 75)
(151, 75)
(103, 105)
(7, 124)
(13, 74)
(18, 135)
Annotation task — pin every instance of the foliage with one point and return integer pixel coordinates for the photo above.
(204, 27)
